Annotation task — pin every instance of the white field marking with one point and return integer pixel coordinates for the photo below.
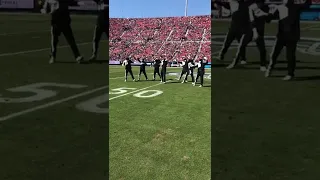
(217, 52)
(27, 111)
(116, 77)
(27, 32)
(43, 49)
(314, 29)
(134, 91)
(275, 21)
(311, 27)
(39, 14)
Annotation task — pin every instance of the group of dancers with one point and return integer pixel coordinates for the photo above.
(188, 66)
(248, 18)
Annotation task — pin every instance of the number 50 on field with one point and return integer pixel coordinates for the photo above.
(40, 93)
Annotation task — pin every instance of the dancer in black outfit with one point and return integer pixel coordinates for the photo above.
(128, 69)
(164, 64)
(142, 69)
(61, 23)
(201, 71)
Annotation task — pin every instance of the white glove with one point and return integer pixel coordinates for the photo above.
(43, 11)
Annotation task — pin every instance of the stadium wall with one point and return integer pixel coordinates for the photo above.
(34, 6)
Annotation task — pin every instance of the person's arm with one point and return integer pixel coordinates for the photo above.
(273, 13)
(255, 11)
(223, 4)
(44, 7)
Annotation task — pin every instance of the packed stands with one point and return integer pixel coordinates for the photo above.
(171, 37)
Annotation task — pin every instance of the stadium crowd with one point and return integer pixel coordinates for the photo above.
(172, 37)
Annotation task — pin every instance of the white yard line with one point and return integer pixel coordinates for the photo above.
(117, 77)
(275, 21)
(135, 91)
(18, 33)
(38, 31)
(27, 111)
(310, 27)
(44, 49)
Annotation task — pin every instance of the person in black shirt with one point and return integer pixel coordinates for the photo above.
(288, 33)
(255, 31)
(164, 64)
(142, 68)
(191, 66)
(239, 25)
(102, 26)
(201, 71)
(184, 69)
(128, 69)
(156, 65)
(60, 23)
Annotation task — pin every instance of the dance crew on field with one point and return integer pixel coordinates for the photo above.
(255, 13)
(188, 67)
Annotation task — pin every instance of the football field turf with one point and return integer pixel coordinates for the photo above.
(265, 128)
(159, 131)
(50, 125)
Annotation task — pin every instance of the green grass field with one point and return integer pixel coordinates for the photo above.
(265, 128)
(159, 131)
(50, 125)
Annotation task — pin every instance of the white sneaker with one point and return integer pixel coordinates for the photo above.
(231, 66)
(263, 68)
(287, 78)
(182, 82)
(193, 84)
(93, 58)
(243, 62)
(52, 60)
(134, 80)
(79, 59)
(125, 80)
(268, 73)
(200, 86)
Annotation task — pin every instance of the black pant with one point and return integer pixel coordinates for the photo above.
(163, 74)
(144, 72)
(200, 74)
(184, 71)
(230, 37)
(129, 71)
(291, 46)
(56, 30)
(245, 40)
(98, 31)
(190, 72)
(156, 71)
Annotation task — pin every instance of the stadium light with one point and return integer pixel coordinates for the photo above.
(186, 9)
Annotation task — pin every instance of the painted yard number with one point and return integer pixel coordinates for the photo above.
(92, 105)
(141, 94)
